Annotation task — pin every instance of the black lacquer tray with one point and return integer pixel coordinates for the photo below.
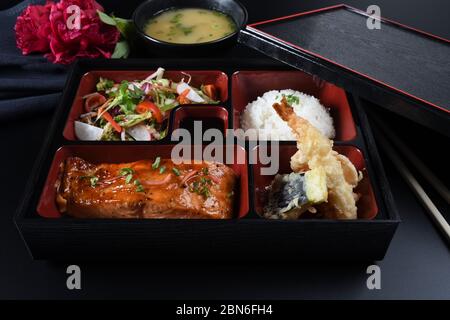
(248, 236)
(400, 68)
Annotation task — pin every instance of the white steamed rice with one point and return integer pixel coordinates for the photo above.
(260, 115)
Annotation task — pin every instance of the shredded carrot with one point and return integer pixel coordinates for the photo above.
(110, 119)
(182, 98)
(185, 93)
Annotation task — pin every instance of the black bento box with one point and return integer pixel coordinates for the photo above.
(246, 237)
(399, 68)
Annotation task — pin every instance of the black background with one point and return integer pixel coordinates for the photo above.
(417, 264)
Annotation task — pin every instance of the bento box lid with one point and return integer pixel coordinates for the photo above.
(400, 68)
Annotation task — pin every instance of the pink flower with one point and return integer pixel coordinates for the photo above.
(65, 39)
(33, 29)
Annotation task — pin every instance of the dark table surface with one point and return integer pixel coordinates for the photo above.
(417, 264)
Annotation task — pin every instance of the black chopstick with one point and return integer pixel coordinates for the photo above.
(383, 132)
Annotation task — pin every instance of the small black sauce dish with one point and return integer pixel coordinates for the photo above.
(150, 8)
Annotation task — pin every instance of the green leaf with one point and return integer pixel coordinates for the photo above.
(106, 19)
(125, 27)
(122, 50)
(104, 84)
(163, 134)
(168, 107)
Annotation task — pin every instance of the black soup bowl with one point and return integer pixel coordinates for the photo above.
(151, 8)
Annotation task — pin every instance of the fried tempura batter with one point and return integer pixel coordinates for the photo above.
(315, 150)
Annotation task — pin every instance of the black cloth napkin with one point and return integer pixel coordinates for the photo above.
(30, 84)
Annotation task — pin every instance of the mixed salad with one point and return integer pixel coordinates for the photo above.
(137, 110)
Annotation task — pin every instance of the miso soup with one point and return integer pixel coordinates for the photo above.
(190, 25)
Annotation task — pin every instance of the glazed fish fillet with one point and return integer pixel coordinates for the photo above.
(146, 189)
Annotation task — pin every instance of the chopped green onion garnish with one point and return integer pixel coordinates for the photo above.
(291, 99)
(126, 171)
(128, 178)
(155, 164)
(94, 181)
(139, 187)
(162, 169)
(201, 187)
(176, 171)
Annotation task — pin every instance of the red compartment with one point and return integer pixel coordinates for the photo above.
(116, 154)
(211, 116)
(90, 79)
(367, 205)
(248, 85)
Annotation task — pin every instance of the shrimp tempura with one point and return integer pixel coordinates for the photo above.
(315, 150)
